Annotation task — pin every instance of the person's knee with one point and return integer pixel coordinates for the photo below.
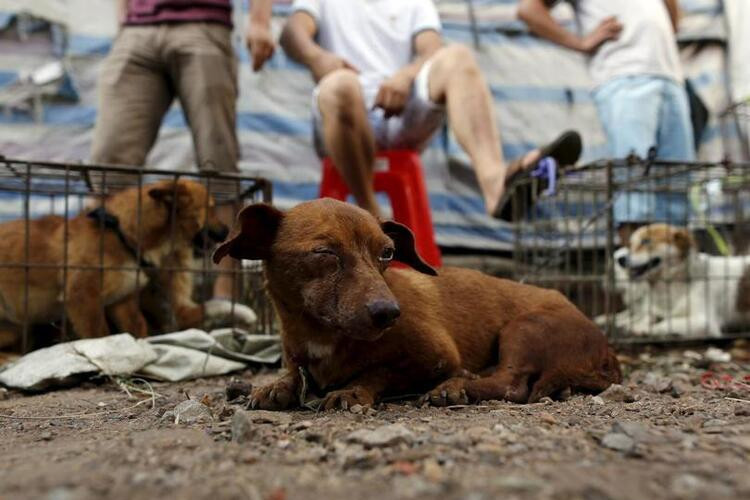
(457, 59)
(339, 89)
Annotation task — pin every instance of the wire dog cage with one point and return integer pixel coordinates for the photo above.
(653, 251)
(86, 249)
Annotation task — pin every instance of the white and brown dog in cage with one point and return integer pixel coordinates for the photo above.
(111, 251)
(669, 288)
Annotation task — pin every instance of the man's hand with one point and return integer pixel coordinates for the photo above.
(609, 29)
(260, 43)
(326, 62)
(394, 94)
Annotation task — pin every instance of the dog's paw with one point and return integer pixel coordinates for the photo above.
(222, 309)
(450, 392)
(346, 398)
(280, 395)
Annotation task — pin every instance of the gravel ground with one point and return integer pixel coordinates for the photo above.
(662, 434)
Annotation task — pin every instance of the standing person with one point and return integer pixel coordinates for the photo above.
(182, 49)
(385, 81)
(640, 93)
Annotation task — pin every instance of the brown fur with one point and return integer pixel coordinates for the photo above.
(93, 296)
(322, 271)
(648, 237)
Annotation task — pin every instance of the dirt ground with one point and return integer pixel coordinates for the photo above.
(666, 433)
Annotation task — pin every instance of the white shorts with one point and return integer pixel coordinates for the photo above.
(412, 129)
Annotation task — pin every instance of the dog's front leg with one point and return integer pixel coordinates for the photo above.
(128, 317)
(696, 325)
(85, 305)
(281, 394)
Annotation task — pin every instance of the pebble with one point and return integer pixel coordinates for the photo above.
(597, 400)
(357, 409)
(381, 437)
(547, 418)
(46, 436)
(619, 442)
(189, 412)
(618, 393)
(4, 394)
(433, 471)
(243, 429)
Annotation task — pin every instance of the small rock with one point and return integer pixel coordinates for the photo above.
(742, 411)
(716, 355)
(236, 389)
(490, 453)
(357, 409)
(189, 412)
(4, 394)
(546, 400)
(302, 425)
(714, 426)
(476, 434)
(619, 442)
(547, 418)
(283, 444)
(597, 400)
(404, 468)
(387, 435)
(657, 383)
(46, 436)
(243, 429)
(617, 393)
(268, 417)
(433, 471)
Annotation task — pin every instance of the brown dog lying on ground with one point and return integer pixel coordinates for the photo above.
(172, 214)
(364, 331)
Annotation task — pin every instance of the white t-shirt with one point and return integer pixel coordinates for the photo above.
(646, 46)
(374, 36)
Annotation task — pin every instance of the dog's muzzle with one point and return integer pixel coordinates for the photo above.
(638, 271)
(209, 236)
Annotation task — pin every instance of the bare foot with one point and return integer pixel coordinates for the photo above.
(499, 182)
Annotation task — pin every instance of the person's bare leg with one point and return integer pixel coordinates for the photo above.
(347, 135)
(224, 286)
(456, 80)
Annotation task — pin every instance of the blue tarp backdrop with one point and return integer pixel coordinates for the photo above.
(538, 89)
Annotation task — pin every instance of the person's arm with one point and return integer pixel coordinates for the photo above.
(674, 13)
(536, 14)
(394, 92)
(258, 36)
(298, 41)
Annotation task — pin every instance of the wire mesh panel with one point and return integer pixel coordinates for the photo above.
(652, 251)
(87, 250)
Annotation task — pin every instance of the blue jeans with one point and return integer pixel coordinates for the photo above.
(640, 112)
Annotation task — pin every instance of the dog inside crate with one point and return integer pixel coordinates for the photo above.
(91, 250)
(670, 280)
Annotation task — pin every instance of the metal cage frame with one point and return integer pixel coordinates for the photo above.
(71, 188)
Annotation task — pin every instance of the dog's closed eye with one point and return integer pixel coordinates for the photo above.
(387, 255)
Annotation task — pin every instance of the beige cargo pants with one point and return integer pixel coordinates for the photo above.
(147, 68)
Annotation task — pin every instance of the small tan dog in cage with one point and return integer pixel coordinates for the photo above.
(671, 288)
(111, 251)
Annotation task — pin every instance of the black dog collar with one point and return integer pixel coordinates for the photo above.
(111, 222)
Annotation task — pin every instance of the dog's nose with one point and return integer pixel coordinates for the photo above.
(218, 234)
(383, 313)
(623, 261)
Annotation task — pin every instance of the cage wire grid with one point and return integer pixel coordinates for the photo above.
(31, 190)
(567, 241)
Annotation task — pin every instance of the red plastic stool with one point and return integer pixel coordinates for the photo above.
(399, 175)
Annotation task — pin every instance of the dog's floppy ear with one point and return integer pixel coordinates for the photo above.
(683, 240)
(406, 248)
(258, 225)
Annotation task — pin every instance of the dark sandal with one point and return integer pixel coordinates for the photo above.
(565, 150)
